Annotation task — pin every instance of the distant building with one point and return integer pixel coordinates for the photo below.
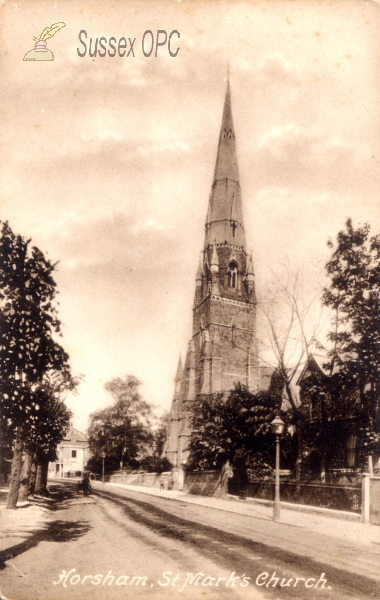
(73, 454)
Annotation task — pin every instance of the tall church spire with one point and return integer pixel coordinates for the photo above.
(225, 215)
(222, 349)
(226, 163)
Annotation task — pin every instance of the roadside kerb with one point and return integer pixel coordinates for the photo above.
(325, 524)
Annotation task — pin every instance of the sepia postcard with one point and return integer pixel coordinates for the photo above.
(189, 168)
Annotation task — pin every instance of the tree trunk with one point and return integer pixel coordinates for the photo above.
(45, 469)
(299, 459)
(14, 484)
(25, 475)
(32, 478)
(41, 478)
(323, 466)
(2, 437)
(38, 489)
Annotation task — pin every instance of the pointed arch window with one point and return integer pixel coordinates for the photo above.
(228, 134)
(232, 274)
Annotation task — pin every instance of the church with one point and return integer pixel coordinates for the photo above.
(223, 348)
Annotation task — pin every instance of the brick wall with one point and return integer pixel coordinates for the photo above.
(203, 483)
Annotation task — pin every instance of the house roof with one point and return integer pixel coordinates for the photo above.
(314, 362)
(74, 435)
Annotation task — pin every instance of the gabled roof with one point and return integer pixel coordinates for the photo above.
(75, 435)
(313, 364)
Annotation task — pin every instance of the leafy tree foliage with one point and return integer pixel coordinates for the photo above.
(354, 296)
(6, 438)
(123, 430)
(28, 317)
(234, 428)
(42, 439)
(49, 420)
(28, 347)
(155, 464)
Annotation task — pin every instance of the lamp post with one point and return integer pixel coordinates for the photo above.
(103, 457)
(154, 448)
(277, 427)
(123, 453)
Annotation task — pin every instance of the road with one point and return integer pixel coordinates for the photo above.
(129, 545)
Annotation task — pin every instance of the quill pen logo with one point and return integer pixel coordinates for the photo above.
(40, 51)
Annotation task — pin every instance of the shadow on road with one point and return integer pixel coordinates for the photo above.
(57, 531)
(59, 498)
(62, 495)
(231, 548)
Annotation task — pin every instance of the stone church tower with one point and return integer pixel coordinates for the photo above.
(223, 347)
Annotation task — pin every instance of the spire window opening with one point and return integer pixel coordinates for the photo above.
(228, 134)
(234, 228)
(232, 274)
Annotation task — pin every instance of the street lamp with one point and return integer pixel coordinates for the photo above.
(154, 449)
(103, 457)
(123, 453)
(277, 427)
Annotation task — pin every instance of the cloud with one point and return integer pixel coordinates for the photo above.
(276, 70)
(297, 157)
(118, 240)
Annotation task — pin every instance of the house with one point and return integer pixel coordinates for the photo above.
(73, 453)
(341, 425)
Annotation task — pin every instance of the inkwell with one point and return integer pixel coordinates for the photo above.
(40, 51)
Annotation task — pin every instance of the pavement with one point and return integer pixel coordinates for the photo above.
(363, 534)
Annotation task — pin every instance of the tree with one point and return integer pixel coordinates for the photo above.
(6, 438)
(290, 319)
(52, 427)
(28, 326)
(234, 428)
(49, 423)
(354, 296)
(123, 430)
(155, 462)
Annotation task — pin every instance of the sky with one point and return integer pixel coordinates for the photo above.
(107, 162)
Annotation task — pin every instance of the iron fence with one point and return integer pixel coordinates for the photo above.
(335, 497)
